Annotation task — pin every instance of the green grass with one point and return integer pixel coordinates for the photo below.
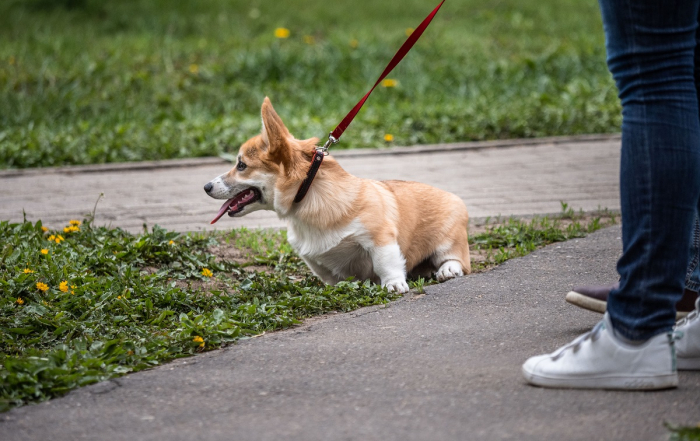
(116, 303)
(679, 433)
(91, 81)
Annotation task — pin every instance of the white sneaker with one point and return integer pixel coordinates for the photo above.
(688, 344)
(599, 360)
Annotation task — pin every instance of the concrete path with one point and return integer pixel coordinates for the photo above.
(439, 366)
(505, 177)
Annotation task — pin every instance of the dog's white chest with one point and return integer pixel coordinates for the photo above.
(342, 252)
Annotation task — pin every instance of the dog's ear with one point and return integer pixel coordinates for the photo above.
(275, 135)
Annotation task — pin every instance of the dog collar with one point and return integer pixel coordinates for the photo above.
(310, 175)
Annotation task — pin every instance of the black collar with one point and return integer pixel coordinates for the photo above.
(310, 175)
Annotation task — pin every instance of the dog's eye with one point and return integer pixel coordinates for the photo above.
(241, 166)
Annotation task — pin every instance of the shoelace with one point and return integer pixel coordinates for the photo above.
(692, 316)
(593, 335)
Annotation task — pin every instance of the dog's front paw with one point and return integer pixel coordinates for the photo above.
(398, 285)
(449, 270)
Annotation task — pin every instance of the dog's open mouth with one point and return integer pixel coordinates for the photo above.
(238, 202)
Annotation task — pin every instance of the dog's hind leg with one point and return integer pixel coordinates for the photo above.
(452, 258)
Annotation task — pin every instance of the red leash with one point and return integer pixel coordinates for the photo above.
(335, 135)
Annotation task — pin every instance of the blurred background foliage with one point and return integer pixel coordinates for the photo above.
(91, 81)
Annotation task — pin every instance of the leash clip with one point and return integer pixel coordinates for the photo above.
(331, 140)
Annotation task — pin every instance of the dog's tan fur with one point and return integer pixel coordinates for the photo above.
(429, 225)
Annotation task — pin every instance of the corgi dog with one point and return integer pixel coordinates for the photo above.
(346, 226)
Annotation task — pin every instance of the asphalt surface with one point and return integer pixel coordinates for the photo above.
(440, 366)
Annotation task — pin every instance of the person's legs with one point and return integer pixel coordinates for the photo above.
(651, 48)
(651, 56)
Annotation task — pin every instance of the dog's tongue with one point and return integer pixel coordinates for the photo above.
(223, 210)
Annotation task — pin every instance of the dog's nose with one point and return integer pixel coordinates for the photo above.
(208, 187)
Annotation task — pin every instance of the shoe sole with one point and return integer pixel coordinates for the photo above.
(688, 364)
(586, 302)
(600, 306)
(654, 382)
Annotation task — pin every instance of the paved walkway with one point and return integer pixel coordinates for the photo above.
(507, 177)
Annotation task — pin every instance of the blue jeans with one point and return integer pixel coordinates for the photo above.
(651, 53)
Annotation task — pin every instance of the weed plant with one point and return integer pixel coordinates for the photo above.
(93, 81)
(87, 304)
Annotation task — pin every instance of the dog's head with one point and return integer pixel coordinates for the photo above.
(268, 171)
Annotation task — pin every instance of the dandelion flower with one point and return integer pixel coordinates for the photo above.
(119, 297)
(71, 229)
(27, 271)
(44, 251)
(389, 83)
(409, 31)
(198, 339)
(354, 43)
(282, 33)
(44, 229)
(52, 238)
(59, 238)
(74, 222)
(42, 286)
(63, 286)
(172, 242)
(19, 301)
(388, 137)
(206, 272)
(194, 69)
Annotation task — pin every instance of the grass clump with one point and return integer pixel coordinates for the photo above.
(103, 302)
(500, 240)
(87, 81)
(683, 433)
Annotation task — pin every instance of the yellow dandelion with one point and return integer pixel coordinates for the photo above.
(19, 301)
(388, 137)
(388, 82)
(172, 242)
(309, 39)
(59, 239)
(206, 272)
(45, 303)
(354, 43)
(198, 339)
(67, 230)
(119, 297)
(71, 229)
(52, 238)
(42, 286)
(194, 69)
(409, 31)
(44, 229)
(44, 251)
(27, 271)
(74, 222)
(63, 286)
(282, 33)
